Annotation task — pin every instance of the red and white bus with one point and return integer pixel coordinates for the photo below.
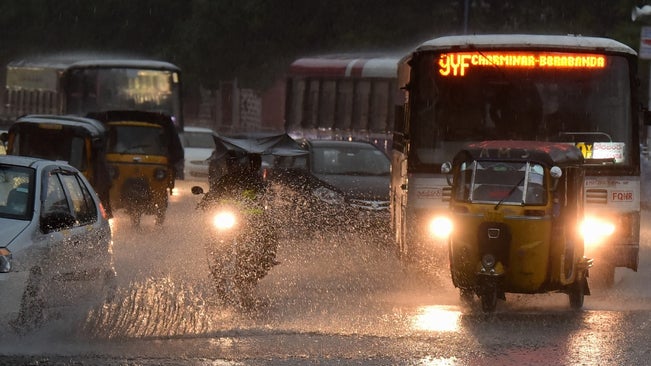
(342, 97)
(574, 89)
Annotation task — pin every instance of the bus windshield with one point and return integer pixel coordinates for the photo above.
(584, 99)
(91, 90)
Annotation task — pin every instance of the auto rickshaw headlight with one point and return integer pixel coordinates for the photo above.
(596, 230)
(440, 227)
(5, 260)
(488, 261)
(160, 173)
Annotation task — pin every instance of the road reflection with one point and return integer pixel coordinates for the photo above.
(436, 318)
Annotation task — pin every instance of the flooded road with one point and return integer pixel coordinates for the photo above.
(335, 298)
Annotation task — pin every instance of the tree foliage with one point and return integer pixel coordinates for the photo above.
(253, 41)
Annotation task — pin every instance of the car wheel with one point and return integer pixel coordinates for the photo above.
(31, 313)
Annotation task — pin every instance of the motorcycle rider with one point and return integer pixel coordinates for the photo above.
(244, 183)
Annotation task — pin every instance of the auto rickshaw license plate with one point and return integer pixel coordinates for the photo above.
(493, 215)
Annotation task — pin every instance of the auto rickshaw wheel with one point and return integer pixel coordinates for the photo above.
(160, 216)
(577, 292)
(466, 295)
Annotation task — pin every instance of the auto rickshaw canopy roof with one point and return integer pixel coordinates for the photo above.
(79, 125)
(547, 153)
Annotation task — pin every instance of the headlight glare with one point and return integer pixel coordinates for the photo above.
(440, 227)
(596, 230)
(5, 260)
(224, 220)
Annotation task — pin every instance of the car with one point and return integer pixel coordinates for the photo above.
(198, 145)
(358, 171)
(3, 141)
(344, 184)
(55, 241)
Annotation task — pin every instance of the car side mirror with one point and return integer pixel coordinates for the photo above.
(55, 221)
(446, 168)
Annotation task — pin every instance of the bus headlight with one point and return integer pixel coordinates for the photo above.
(440, 227)
(596, 230)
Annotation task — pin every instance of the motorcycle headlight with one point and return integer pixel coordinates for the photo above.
(5, 260)
(160, 173)
(440, 227)
(595, 230)
(328, 195)
(224, 220)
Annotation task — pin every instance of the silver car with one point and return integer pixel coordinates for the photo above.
(55, 241)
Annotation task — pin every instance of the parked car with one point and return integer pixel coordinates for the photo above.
(55, 240)
(198, 145)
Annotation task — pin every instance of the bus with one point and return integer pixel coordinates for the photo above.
(79, 85)
(342, 97)
(573, 89)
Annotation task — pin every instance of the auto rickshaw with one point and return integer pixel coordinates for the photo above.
(143, 151)
(79, 141)
(516, 210)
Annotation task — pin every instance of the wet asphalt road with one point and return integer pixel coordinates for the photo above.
(336, 298)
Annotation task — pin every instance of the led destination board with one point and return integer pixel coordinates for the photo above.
(456, 64)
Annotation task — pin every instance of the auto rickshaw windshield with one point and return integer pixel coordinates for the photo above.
(130, 139)
(504, 182)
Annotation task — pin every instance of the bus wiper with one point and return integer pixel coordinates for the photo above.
(510, 192)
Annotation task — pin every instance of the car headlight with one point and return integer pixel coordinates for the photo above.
(328, 195)
(440, 227)
(160, 173)
(224, 220)
(5, 260)
(596, 230)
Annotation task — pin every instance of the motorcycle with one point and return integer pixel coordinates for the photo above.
(242, 245)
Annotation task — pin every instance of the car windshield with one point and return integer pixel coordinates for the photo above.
(16, 192)
(201, 140)
(349, 160)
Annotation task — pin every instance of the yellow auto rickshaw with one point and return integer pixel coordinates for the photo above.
(79, 141)
(143, 152)
(515, 216)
